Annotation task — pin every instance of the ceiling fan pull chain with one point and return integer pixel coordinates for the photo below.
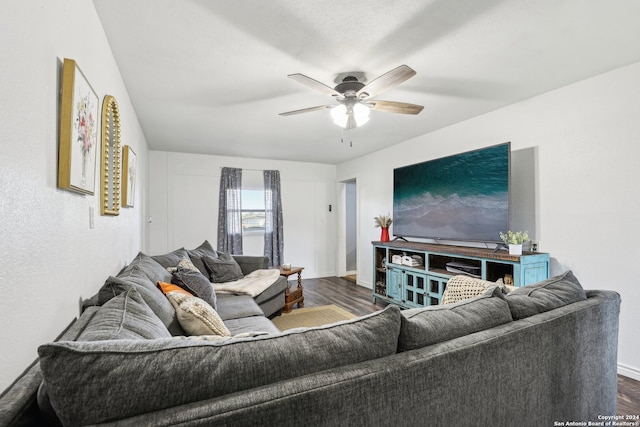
(342, 132)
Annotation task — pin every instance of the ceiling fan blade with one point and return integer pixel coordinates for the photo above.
(394, 107)
(315, 85)
(387, 81)
(306, 110)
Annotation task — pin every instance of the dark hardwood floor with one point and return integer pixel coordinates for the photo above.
(357, 300)
(341, 292)
(628, 396)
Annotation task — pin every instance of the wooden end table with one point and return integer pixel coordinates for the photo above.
(292, 296)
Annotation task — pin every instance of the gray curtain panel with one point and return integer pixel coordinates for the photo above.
(230, 211)
(273, 235)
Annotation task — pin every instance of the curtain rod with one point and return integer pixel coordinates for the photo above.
(247, 169)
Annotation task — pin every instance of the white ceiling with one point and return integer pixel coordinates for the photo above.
(211, 76)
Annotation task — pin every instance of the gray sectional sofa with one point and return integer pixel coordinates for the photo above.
(539, 354)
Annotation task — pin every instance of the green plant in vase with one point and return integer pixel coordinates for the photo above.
(514, 239)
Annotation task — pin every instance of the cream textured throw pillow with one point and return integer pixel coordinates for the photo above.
(184, 263)
(460, 288)
(196, 316)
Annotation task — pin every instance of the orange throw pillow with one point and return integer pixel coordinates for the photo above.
(170, 287)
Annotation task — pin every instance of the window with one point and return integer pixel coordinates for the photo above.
(253, 216)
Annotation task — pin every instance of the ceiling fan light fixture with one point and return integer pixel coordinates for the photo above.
(350, 116)
(361, 113)
(339, 115)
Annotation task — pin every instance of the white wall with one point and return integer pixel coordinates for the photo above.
(183, 205)
(586, 138)
(51, 258)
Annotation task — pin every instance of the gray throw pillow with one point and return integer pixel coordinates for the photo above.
(172, 258)
(544, 296)
(133, 277)
(82, 376)
(149, 267)
(422, 327)
(126, 316)
(195, 283)
(144, 273)
(196, 255)
(223, 269)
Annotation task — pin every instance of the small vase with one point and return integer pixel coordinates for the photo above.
(384, 235)
(515, 249)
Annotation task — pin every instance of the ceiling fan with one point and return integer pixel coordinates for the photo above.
(354, 97)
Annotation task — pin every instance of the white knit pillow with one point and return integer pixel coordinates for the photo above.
(460, 288)
(196, 316)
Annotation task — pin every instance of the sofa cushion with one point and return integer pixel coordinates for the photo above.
(223, 268)
(195, 283)
(198, 253)
(159, 304)
(172, 258)
(126, 316)
(275, 290)
(135, 376)
(196, 316)
(544, 296)
(460, 288)
(422, 327)
(237, 306)
(251, 325)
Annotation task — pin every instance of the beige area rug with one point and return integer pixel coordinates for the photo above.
(311, 316)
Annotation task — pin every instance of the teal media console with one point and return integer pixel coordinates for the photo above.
(414, 274)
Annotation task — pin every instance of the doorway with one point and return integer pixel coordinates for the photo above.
(350, 230)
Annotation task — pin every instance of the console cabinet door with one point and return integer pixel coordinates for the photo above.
(415, 289)
(534, 272)
(394, 283)
(436, 287)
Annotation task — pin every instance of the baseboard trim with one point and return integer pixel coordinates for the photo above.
(364, 284)
(629, 371)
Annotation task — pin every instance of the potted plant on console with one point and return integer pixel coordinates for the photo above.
(514, 240)
(383, 221)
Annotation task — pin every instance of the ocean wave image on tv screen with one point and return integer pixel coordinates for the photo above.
(461, 197)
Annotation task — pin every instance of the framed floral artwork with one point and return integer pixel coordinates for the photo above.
(78, 139)
(128, 176)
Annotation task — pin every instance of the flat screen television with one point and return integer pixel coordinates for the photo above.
(463, 197)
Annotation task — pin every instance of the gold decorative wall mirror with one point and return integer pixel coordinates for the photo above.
(110, 164)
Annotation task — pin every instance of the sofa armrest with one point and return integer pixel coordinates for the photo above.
(249, 263)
